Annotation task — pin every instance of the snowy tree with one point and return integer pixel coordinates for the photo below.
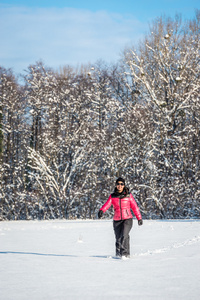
(67, 143)
(166, 70)
(13, 130)
(65, 136)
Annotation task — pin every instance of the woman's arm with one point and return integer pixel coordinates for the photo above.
(107, 205)
(135, 208)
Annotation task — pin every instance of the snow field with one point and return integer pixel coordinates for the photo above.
(64, 259)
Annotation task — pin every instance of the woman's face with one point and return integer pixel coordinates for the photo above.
(120, 186)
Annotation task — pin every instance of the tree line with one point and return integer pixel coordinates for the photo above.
(66, 136)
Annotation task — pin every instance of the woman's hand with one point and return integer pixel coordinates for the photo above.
(140, 222)
(100, 214)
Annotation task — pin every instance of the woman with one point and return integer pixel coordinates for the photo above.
(122, 202)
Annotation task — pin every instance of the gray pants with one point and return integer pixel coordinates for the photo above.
(122, 229)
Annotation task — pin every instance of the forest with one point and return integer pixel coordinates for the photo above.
(65, 136)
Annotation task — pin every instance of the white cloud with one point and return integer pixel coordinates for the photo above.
(63, 36)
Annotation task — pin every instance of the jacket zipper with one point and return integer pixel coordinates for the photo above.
(120, 207)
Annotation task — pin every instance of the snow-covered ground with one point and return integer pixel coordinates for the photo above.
(74, 260)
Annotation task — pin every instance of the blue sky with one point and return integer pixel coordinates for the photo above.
(77, 32)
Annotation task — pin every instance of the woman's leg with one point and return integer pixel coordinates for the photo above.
(125, 240)
(118, 229)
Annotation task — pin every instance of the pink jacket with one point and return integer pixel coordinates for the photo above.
(122, 207)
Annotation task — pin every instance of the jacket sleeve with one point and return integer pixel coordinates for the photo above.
(135, 208)
(107, 205)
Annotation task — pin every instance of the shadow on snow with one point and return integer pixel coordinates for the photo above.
(49, 254)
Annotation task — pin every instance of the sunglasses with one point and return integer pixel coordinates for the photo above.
(122, 184)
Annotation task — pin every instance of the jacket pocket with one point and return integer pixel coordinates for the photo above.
(127, 212)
